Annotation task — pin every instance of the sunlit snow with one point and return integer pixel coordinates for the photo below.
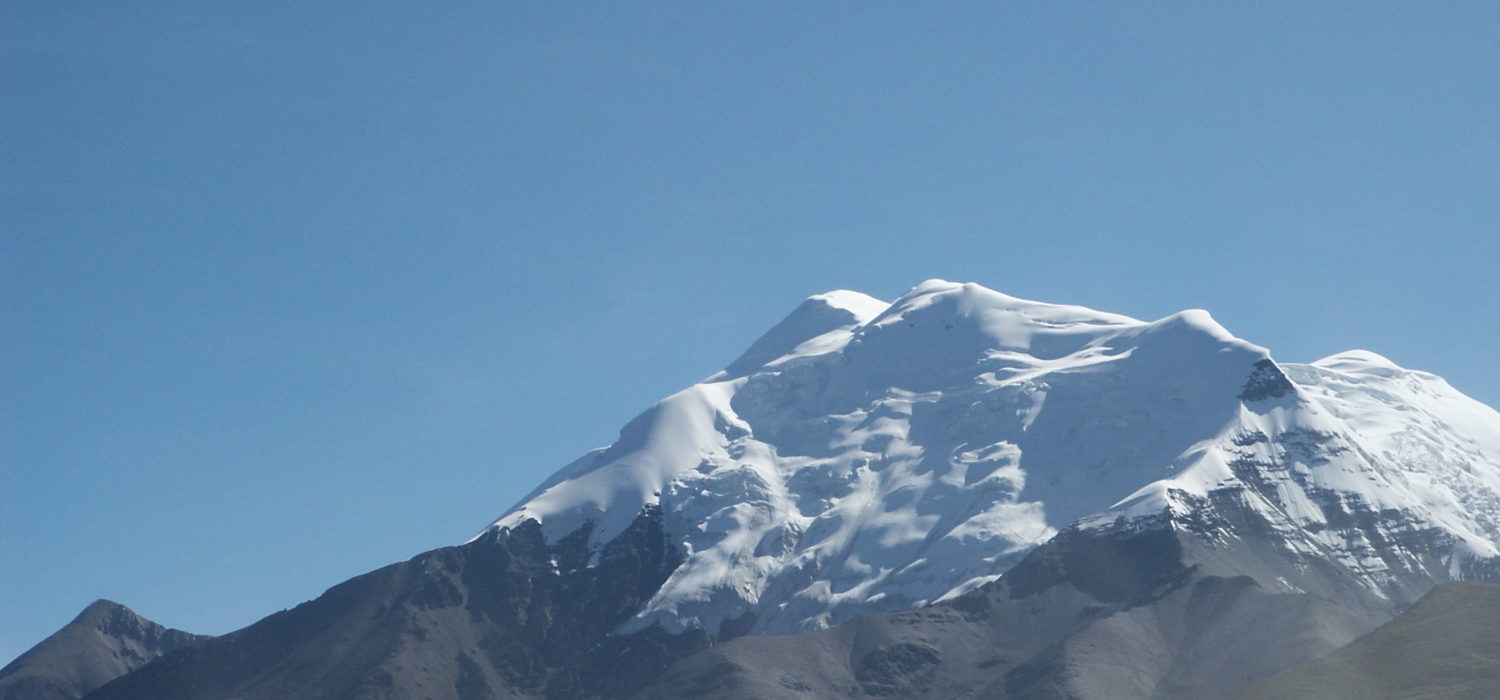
(868, 456)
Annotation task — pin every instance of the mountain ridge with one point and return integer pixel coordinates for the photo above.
(1058, 414)
(873, 488)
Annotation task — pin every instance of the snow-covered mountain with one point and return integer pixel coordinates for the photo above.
(865, 456)
(1096, 507)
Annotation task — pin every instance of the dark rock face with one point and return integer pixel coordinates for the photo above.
(503, 616)
(1266, 382)
(105, 641)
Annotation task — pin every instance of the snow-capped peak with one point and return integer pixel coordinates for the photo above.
(822, 323)
(864, 455)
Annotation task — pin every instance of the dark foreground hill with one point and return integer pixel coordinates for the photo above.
(1447, 647)
(105, 641)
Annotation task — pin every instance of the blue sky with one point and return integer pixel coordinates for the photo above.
(289, 291)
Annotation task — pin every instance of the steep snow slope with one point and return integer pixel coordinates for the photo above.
(865, 456)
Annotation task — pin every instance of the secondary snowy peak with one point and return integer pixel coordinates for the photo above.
(823, 323)
(865, 456)
(1358, 361)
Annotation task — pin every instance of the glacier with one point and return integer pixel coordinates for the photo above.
(864, 456)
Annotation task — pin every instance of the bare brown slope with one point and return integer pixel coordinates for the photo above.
(106, 640)
(1447, 646)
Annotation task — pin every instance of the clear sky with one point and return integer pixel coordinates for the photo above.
(291, 290)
